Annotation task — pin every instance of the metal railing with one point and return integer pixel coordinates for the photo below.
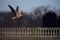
(32, 32)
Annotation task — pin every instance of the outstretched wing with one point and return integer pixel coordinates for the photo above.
(17, 8)
(12, 9)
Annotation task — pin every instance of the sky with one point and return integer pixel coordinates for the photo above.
(27, 5)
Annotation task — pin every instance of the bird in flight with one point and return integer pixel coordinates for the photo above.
(16, 12)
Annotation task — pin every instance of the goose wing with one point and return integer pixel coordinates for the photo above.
(12, 9)
(17, 8)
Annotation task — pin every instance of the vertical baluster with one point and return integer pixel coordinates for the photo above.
(57, 32)
(35, 31)
(16, 31)
(21, 32)
(43, 31)
(5, 32)
(25, 31)
(30, 31)
(54, 32)
(39, 32)
(1, 32)
(47, 32)
(51, 32)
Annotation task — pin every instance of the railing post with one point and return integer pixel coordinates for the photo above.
(52, 32)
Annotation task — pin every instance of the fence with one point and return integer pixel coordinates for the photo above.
(30, 32)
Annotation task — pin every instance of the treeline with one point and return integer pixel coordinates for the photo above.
(36, 18)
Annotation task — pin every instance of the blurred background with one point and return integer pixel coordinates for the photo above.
(41, 13)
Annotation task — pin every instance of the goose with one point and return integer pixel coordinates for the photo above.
(16, 12)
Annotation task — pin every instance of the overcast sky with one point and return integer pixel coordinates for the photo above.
(27, 5)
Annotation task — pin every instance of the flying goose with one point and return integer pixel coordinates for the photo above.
(16, 12)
